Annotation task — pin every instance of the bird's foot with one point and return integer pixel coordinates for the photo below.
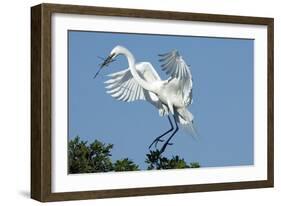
(155, 142)
(163, 148)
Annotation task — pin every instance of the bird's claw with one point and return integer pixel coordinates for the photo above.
(164, 146)
(155, 142)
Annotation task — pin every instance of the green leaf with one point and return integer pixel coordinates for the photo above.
(125, 165)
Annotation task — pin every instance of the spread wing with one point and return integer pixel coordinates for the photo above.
(173, 64)
(122, 86)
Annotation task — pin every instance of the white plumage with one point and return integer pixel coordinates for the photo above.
(122, 86)
(174, 65)
(141, 82)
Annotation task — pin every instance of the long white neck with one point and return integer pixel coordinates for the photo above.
(132, 66)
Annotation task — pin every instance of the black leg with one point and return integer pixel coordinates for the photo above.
(168, 140)
(158, 139)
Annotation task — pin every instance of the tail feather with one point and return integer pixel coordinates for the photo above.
(183, 116)
(190, 129)
(185, 119)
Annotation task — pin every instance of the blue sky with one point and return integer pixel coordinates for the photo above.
(222, 72)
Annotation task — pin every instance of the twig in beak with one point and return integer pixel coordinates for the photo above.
(105, 63)
(97, 72)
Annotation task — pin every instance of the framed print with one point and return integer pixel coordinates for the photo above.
(129, 102)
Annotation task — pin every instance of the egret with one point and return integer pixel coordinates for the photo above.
(141, 82)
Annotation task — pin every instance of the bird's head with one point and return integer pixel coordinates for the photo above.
(116, 51)
(111, 58)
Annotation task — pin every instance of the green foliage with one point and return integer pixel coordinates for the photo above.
(84, 158)
(96, 157)
(194, 165)
(78, 153)
(99, 157)
(125, 165)
(155, 161)
(177, 163)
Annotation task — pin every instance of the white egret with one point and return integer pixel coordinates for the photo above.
(141, 82)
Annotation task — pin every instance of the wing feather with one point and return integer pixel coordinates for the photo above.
(122, 86)
(174, 65)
